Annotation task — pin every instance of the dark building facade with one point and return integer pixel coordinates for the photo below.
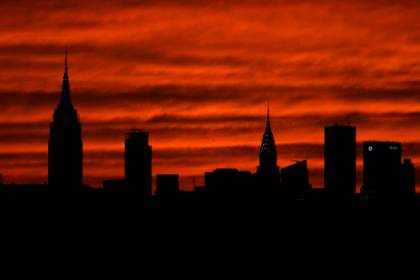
(167, 185)
(295, 180)
(381, 169)
(268, 172)
(138, 162)
(408, 178)
(340, 161)
(114, 185)
(228, 182)
(65, 146)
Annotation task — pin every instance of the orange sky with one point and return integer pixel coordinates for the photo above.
(198, 76)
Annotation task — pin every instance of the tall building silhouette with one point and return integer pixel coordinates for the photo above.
(340, 161)
(65, 147)
(268, 172)
(381, 169)
(138, 162)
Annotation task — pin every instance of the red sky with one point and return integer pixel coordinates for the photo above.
(198, 74)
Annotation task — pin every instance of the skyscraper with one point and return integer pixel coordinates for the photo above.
(65, 147)
(138, 162)
(268, 172)
(381, 169)
(340, 161)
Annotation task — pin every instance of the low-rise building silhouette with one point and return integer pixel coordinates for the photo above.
(167, 185)
(295, 180)
(228, 182)
(114, 185)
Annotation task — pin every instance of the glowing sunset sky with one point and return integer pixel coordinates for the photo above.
(198, 74)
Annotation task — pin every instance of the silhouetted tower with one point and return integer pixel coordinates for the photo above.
(340, 161)
(268, 172)
(381, 169)
(138, 162)
(65, 147)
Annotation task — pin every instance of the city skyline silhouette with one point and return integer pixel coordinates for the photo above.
(386, 175)
(205, 106)
(65, 159)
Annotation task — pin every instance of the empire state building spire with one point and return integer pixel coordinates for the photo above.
(65, 100)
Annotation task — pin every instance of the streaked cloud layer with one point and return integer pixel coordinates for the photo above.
(198, 74)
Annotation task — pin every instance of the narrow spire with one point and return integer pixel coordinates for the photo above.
(65, 100)
(267, 125)
(268, 153)
(65, 62)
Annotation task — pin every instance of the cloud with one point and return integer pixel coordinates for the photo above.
(189, 129)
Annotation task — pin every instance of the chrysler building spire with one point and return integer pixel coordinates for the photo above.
(268, 153)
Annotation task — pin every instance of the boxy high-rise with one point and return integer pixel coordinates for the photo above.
(340, 161)
(138, 162)
(381, 169)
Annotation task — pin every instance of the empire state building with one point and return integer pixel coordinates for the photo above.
(65, 146)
